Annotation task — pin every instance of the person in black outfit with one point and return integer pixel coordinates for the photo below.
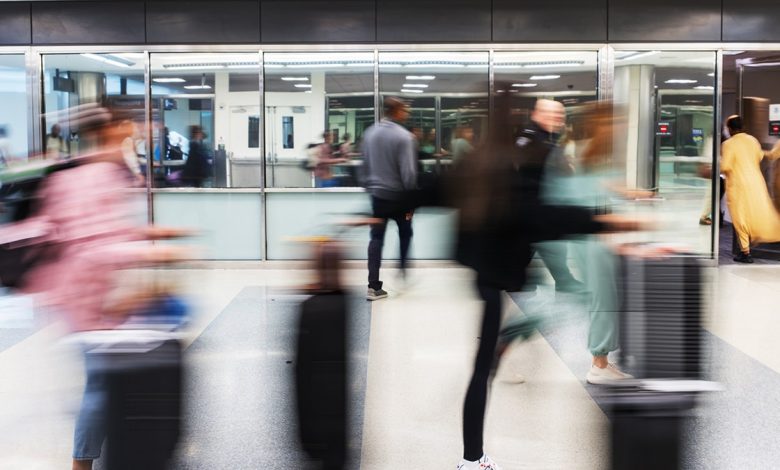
(197, 168)
(501, 216)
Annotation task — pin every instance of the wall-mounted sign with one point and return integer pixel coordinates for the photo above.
(774, 127)
(774, 112)
(697, 135)
(663, 129)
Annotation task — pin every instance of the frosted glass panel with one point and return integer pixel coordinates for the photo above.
(230, 225)
(293, 215)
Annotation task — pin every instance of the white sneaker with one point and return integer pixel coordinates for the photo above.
(607, 375)
(485, 463)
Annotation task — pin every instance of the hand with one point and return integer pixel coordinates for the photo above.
(154, 232)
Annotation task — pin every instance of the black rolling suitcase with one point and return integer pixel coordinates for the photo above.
(660, 321)
(321, 378)
(660, 338)
(144, 384)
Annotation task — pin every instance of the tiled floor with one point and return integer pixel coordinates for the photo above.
(412, 355)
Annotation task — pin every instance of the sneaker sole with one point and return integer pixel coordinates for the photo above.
(376, 297)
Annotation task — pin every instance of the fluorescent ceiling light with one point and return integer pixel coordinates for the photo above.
(391, 65)
(733, 52)
(295, 79)
(420, 77)
(194, 66)
(637, 55)
(553, 64)
(117, 61)
(243, 66)
(436, 65)
(524, 85)
(302, 85)
(476, 66)
(415, 85)
(704, 87)
(312, 66)
(360, 64)
(168, 80)
(545, 77)
(711, 74)
(507, 66)
(273, 66)
(763, 64)
(197, 87)
(129, 55)
(682, 81)
(407, 90)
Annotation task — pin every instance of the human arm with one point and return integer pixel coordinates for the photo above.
(773, 154)
(407, 162)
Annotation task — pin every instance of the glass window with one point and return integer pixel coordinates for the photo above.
(666, 105)
(72, 81)
(447, 94)
(14, 117)
(317, 106)
(206, 115)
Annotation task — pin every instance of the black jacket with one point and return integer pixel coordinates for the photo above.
(500, 250)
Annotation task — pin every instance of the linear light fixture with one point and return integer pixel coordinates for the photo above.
(415, 85)
(545, 77)
(360, 64)
(420, 77)
(202, 86)
(394, 66)
(638, 55)
(295, 79)
(681, 81)
(711, 74)
(570, 63)
(436, 65)
(524, 85)
(194, 66)
(409, 90)
(111, 60)
(243, 66)
(704, 87)
(313, 66)
(302, 85)
(169, 80)
(272, 66)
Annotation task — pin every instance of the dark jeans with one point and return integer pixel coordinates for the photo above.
(387, 210)
(476, 396)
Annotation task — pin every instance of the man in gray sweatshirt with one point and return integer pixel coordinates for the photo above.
(389, 171)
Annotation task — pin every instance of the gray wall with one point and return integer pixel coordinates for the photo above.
(385, 21)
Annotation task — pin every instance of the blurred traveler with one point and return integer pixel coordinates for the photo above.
(128, 146)
(752, 212)
(592, 183)
(56, 147)
(197, 168)
(501, 215)
(463, 143)
(323, 171)
(345, 147)
(390, 170)
(90, 234)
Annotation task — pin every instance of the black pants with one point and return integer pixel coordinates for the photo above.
(387, 210)
(476, 396)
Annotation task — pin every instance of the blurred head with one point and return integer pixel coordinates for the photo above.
(396, 109)
(550, 115)
(464, 132)
(55, 130)
(196, 133)
(734, 124)
(601, 119)
(347, 137)
(418, 133)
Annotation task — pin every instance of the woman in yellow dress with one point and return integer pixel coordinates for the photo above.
(752, 211)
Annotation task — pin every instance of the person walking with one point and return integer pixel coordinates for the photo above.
(501, 215)
(389, 172)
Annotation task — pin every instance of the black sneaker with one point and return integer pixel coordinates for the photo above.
(744, 258)
(375, 294)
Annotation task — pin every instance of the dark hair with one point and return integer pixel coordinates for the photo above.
(392, 105)
(734, 123)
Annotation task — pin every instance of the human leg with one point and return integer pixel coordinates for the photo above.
(376, 244)
(476, 396)
(555, 257)
(404, 221)
(90, 429)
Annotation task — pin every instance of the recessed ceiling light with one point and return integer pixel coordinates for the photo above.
(194, 66)
(637, 55)
(711, 74)
(295, 79)
(682, 81)
(545, 77)
(415, 85)
(302, 85)
(704, 87)
(420, 77)
(524, 85)
(197, 87)
(168, 80)
(407, 90)
(108, 59)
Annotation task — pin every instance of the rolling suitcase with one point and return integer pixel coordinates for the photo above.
(144, 384)
(660, 321)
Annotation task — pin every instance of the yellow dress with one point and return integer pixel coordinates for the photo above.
(752, 211)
